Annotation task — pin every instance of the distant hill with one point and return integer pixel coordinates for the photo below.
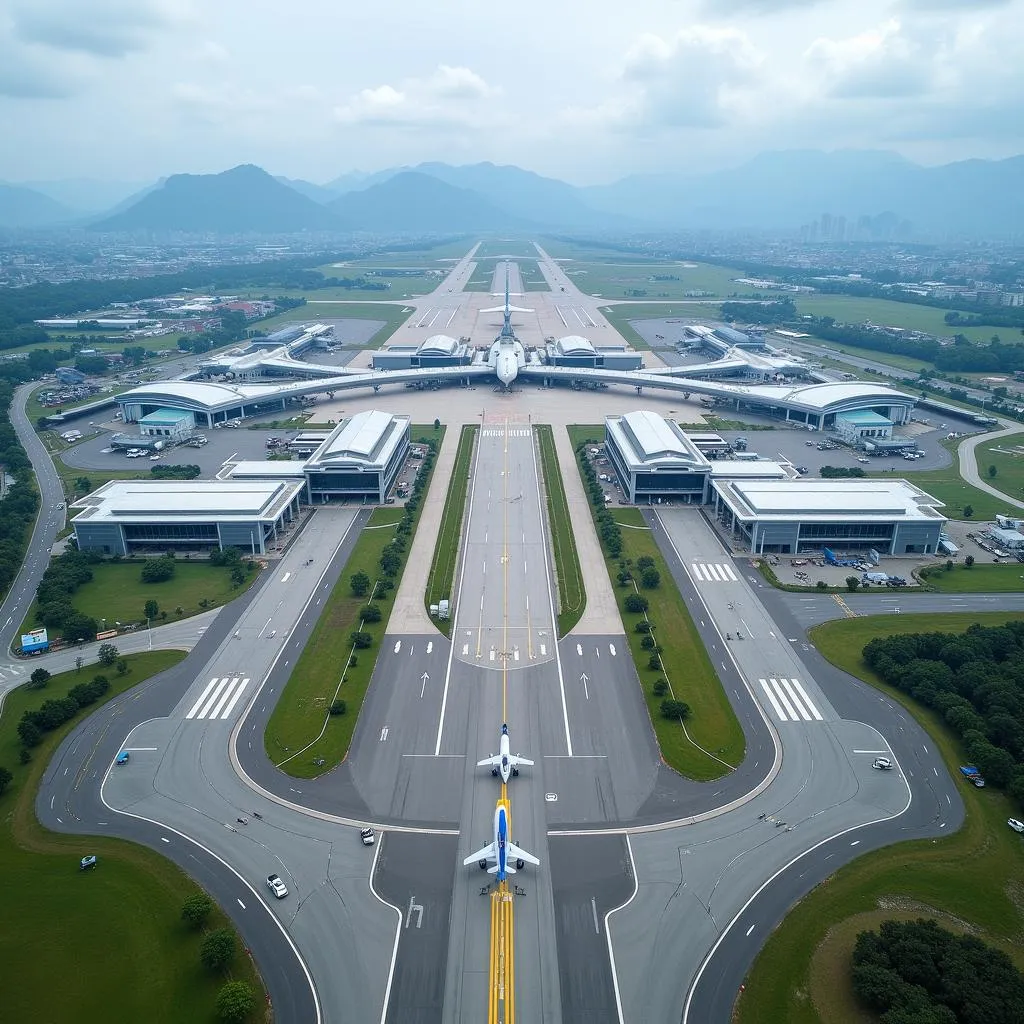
(244, 200)
(355, 181)
(414, 203)
(86, 195)
(22, 207)
(318, 193)
(980, 198)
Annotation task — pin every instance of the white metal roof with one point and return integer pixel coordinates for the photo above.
(575, 345)
(441, 344)
(647, 440)
(283, 469)
(822, 500)
(369, 439)
(823, 396)
(149, 501)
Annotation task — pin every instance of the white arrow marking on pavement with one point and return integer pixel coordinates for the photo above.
(424, 677)
(611, 647)
(430, 646)
(398, 646)
(583, 679)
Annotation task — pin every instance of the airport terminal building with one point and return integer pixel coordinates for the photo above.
(125, 516)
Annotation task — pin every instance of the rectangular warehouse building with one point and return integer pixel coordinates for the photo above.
(125, 516)
(360, 458)
(794, 516)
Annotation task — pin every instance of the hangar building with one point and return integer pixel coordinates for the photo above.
(437, 350)
(574, 350)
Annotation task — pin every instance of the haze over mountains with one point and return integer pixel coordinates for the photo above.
(774, 191)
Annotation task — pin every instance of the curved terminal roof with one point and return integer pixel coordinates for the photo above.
(200, 394)
(647, 441)
(826, 397)
(360, 437)
(438, 344)
(575, 345)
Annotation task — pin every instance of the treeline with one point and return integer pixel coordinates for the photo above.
(779, 311)
(975, 680)
(180, 471)
(961, 357)
(63, 576)
(54, 713)
(914, 972)
(42, 300)
(607, 529)
(19, 506)
(311, 280)
(841, 472)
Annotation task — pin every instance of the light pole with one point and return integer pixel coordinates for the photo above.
(149, 631)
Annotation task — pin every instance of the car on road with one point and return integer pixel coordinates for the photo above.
(802, 470)
(122, 758)
(861, 458)
(1017, 826)
(367, 836)
(276, 886)
(882, 764)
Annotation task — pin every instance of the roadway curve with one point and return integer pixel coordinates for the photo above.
(969, 461)
(69, 798)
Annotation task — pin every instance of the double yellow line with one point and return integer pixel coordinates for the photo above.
(502, 997)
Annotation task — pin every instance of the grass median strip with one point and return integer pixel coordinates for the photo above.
(669, 654)
(107, 944)
(572, 596)
(446, 553)
(973, 876)
(312, 725)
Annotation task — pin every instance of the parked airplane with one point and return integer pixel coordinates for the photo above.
(506, 857)
(503, 763)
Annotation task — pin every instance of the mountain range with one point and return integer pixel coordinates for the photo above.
(773, 191)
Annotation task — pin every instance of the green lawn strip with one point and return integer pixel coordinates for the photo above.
(69, 476)
(446, 552)
(1009, 476)
(572, 596)
(976, 579)
(116, 592)
(973, 875)
(106, 944)
(686, 666)
(300, 714)
(949, 487)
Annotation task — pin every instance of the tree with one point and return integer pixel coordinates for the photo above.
(992, 471)
(157, 570)
(675, 709)
(370, 613)
(437, 424)
(338, 707)
(360, 641)
(38, 679)
(360, 584)
(5, 778)
(969, 560)
(968, 511)
(852, 583)
(660, 688)
(107, 655)
(122, 667)
(821, 585)
(645, 562)
(79, 662)
(151, 609)
(196, 909)
(82, 484)
(650, 577)
(29, 733)
(217, 949)
(636, 603)
(235, 1002)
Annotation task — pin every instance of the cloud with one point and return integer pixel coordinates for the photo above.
(692, 79)
(29, 72)
(723, 8)
(883, 62)
(451, 96)
(953, 5)
(100, 28)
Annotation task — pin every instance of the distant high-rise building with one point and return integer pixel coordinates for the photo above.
(826, 226)
(839, 229)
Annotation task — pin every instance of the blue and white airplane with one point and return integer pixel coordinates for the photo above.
(503, 763)
(506, 857)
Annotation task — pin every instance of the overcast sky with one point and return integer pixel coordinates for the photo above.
(586, 90)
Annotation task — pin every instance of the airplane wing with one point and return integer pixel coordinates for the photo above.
(487, 853)
(492, 762)
(518, 853)
(511, 309)
(517, 760)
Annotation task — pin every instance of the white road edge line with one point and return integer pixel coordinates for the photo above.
(547, 574)
(786, 867)
(398, 933)
(458, 602)
(608, 932)
(195, 842)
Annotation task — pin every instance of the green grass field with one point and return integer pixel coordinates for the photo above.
(975, 875)
(441, 581)
(498, 248)
(572, 595)
(615, 280)
(116, 592)
(948, 486)
(978, 579)
(103, 945)
(853, 309)
(323, 672)
(1008, 461)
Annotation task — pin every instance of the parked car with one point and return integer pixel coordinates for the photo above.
(122, 758)
(367, 836)
(882, 764)
(276, 886)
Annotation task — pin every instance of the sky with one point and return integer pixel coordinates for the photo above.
(133, 90)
